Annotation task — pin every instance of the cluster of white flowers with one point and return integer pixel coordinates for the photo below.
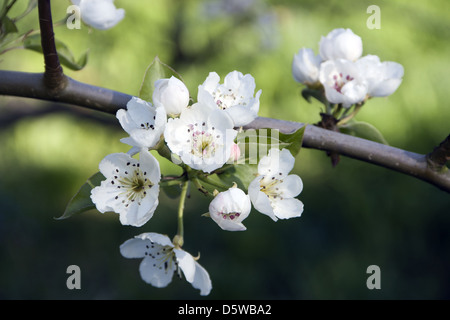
(346, 77)
(201, 137)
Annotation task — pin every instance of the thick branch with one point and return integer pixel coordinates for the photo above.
(30, 85)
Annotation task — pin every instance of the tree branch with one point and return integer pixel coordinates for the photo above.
(76, 93)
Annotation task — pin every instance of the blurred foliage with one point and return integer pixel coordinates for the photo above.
(355, 215)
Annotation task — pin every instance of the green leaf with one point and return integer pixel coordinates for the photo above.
(256, 143)
(82, 202)
(241, 174)
(317, 94)
(155, 71)
(363, 130)
(172, 191)
(64, 54)
(7, 26)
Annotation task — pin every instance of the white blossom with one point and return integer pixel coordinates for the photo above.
(131, 188)
(144, 123)
(161, 258)
(236, 96)
(383, 78)
(229, 208)
(305, 67)
(343, 82)
(274, 190)
(99, 14)
(172, 94)
(202, 137)
(340, 44)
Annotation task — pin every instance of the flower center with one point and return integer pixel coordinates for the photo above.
(230, 215)
(163, 257)
(269, 185)
(340, 80)
(226, 98)
(133, 183)
(203, 140)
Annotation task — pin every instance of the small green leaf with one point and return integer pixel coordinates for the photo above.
(64, 54)
(155, 71)
(7, 26)
(363, 130)
(256, 143)
(241, 174)
(317, 94)
(82, 202)
(172, 191)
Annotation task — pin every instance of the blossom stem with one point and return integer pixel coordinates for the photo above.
(346, 119)
(178, 240)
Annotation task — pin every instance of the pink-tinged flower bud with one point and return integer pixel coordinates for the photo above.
(235, 152)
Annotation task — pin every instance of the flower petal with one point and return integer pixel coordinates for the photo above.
(202, 280)
(259, 199)
(157, 274)
(291, 186)
(288, 208)
(186, 263)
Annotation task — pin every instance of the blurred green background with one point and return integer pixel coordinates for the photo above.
(356, 214)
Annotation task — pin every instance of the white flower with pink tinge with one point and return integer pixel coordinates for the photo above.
(343, 82)
(202, 137)
(229, 208)
(236, 96)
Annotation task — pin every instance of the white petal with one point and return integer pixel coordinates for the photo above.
(202, 280)
(259, 199)
(211, 82)
(291, 186)
(104, 197)
(114, 161)
(186, 263)
(276, 163)
(149, 166)
(134, 248)
(241, 115)
(288, 208)
(155, 273)
(158, 238)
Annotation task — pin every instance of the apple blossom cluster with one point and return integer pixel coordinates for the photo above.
(201, 138)
(339, 70)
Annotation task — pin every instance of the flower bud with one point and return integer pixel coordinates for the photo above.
(235, 152)
(340, 44)
(100, 14)
(172, 94)
(305, 67)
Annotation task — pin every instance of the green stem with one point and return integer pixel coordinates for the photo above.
(346, 119)
(178, 240)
